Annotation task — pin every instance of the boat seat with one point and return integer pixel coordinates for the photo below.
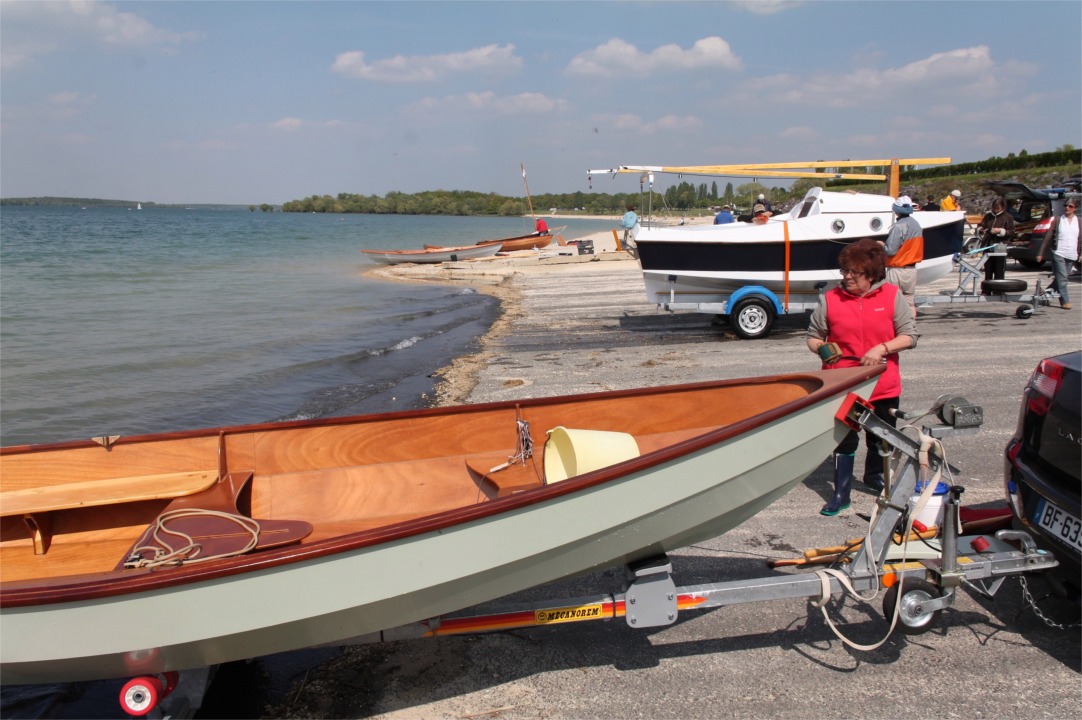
(505, 481)
(37, 504)
(104, 492)
(218, 535)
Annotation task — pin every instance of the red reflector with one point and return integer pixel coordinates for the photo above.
(980, 544)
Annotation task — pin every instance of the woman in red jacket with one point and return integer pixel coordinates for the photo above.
(870, 322)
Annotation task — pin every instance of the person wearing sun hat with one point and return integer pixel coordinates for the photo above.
(951, 201)
(905, 248)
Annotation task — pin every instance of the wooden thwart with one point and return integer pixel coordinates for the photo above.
(511, 479)
(90, 493)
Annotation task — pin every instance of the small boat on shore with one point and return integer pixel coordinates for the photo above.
(523, 242)
(796, 250)
(435, 254)
(145, 554)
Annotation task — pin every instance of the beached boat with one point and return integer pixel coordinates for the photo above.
(794, 251)
(434, 254)
(533, 241)
(523, 242)
(314, 532)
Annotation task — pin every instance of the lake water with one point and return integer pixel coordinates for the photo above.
(119, 322)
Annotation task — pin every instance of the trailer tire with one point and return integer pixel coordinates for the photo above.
(752, 318)
(1024, 312)
(1000, 287)
(911, 593)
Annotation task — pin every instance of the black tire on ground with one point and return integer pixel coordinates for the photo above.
(912, 618)
(999, 287)
(752, 318)
(1029, 264)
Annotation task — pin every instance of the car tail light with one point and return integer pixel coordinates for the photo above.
(1043, 385)
(1042, 226)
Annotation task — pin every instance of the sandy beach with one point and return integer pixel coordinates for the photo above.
(581, 323)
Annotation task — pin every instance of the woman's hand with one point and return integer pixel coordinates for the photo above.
(876, 355)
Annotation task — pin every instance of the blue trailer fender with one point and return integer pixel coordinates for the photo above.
(753, 290)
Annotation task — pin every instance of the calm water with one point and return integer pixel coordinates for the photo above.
(120, 322)
(116, 321)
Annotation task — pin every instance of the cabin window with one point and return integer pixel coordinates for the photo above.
(837, 226)
(807, 207)
(876, 224)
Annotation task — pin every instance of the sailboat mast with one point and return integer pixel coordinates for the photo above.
(523, 168)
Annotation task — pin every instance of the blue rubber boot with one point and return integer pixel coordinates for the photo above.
(843, 485)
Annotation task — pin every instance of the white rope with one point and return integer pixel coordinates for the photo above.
(189, 551)
(825, 574)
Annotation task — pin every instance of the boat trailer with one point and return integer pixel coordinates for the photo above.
(752, 309)
(916, 591)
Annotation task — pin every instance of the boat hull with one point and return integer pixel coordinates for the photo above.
(433, 254)
(664, 500)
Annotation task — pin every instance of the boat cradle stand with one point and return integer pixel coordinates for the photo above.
(922, 588)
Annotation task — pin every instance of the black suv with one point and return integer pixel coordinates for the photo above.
(1044, 463)
(1033, 215)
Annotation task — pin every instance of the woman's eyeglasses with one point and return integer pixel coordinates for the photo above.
(850, 271)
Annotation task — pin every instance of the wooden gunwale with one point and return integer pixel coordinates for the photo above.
(105, 585)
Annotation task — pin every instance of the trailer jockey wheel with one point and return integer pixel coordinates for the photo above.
(1024, 312)
(913, 619)
(752, 318)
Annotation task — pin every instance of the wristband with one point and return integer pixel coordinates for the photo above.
(886, 350)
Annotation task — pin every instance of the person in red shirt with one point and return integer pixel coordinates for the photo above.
(541, 226)
(870, 322)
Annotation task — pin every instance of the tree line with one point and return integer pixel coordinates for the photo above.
(683, 197)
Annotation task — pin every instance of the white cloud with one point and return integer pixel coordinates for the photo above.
(620, 58)
(801, 133)
(490, 102)
(966, 74)
(288, 124)
(766, 7)
(31, 29)
(428, 68)
(631, 123)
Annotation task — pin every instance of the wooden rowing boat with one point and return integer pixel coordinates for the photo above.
(314, 532)
(434, 254)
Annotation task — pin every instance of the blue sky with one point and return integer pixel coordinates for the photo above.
(252, 102)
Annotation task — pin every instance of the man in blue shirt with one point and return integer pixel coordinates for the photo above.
(630, 225)
(724, 217)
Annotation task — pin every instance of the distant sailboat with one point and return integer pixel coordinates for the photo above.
(138, 206)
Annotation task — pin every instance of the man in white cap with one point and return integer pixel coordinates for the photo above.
(951, 201)
(766, 203)
(905, 248)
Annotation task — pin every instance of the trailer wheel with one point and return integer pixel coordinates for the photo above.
(1024, 312)
(752, 318)
(913, 619)
(1000, 287)
(971, 244)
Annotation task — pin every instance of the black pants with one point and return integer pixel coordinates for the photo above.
(873, 463)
